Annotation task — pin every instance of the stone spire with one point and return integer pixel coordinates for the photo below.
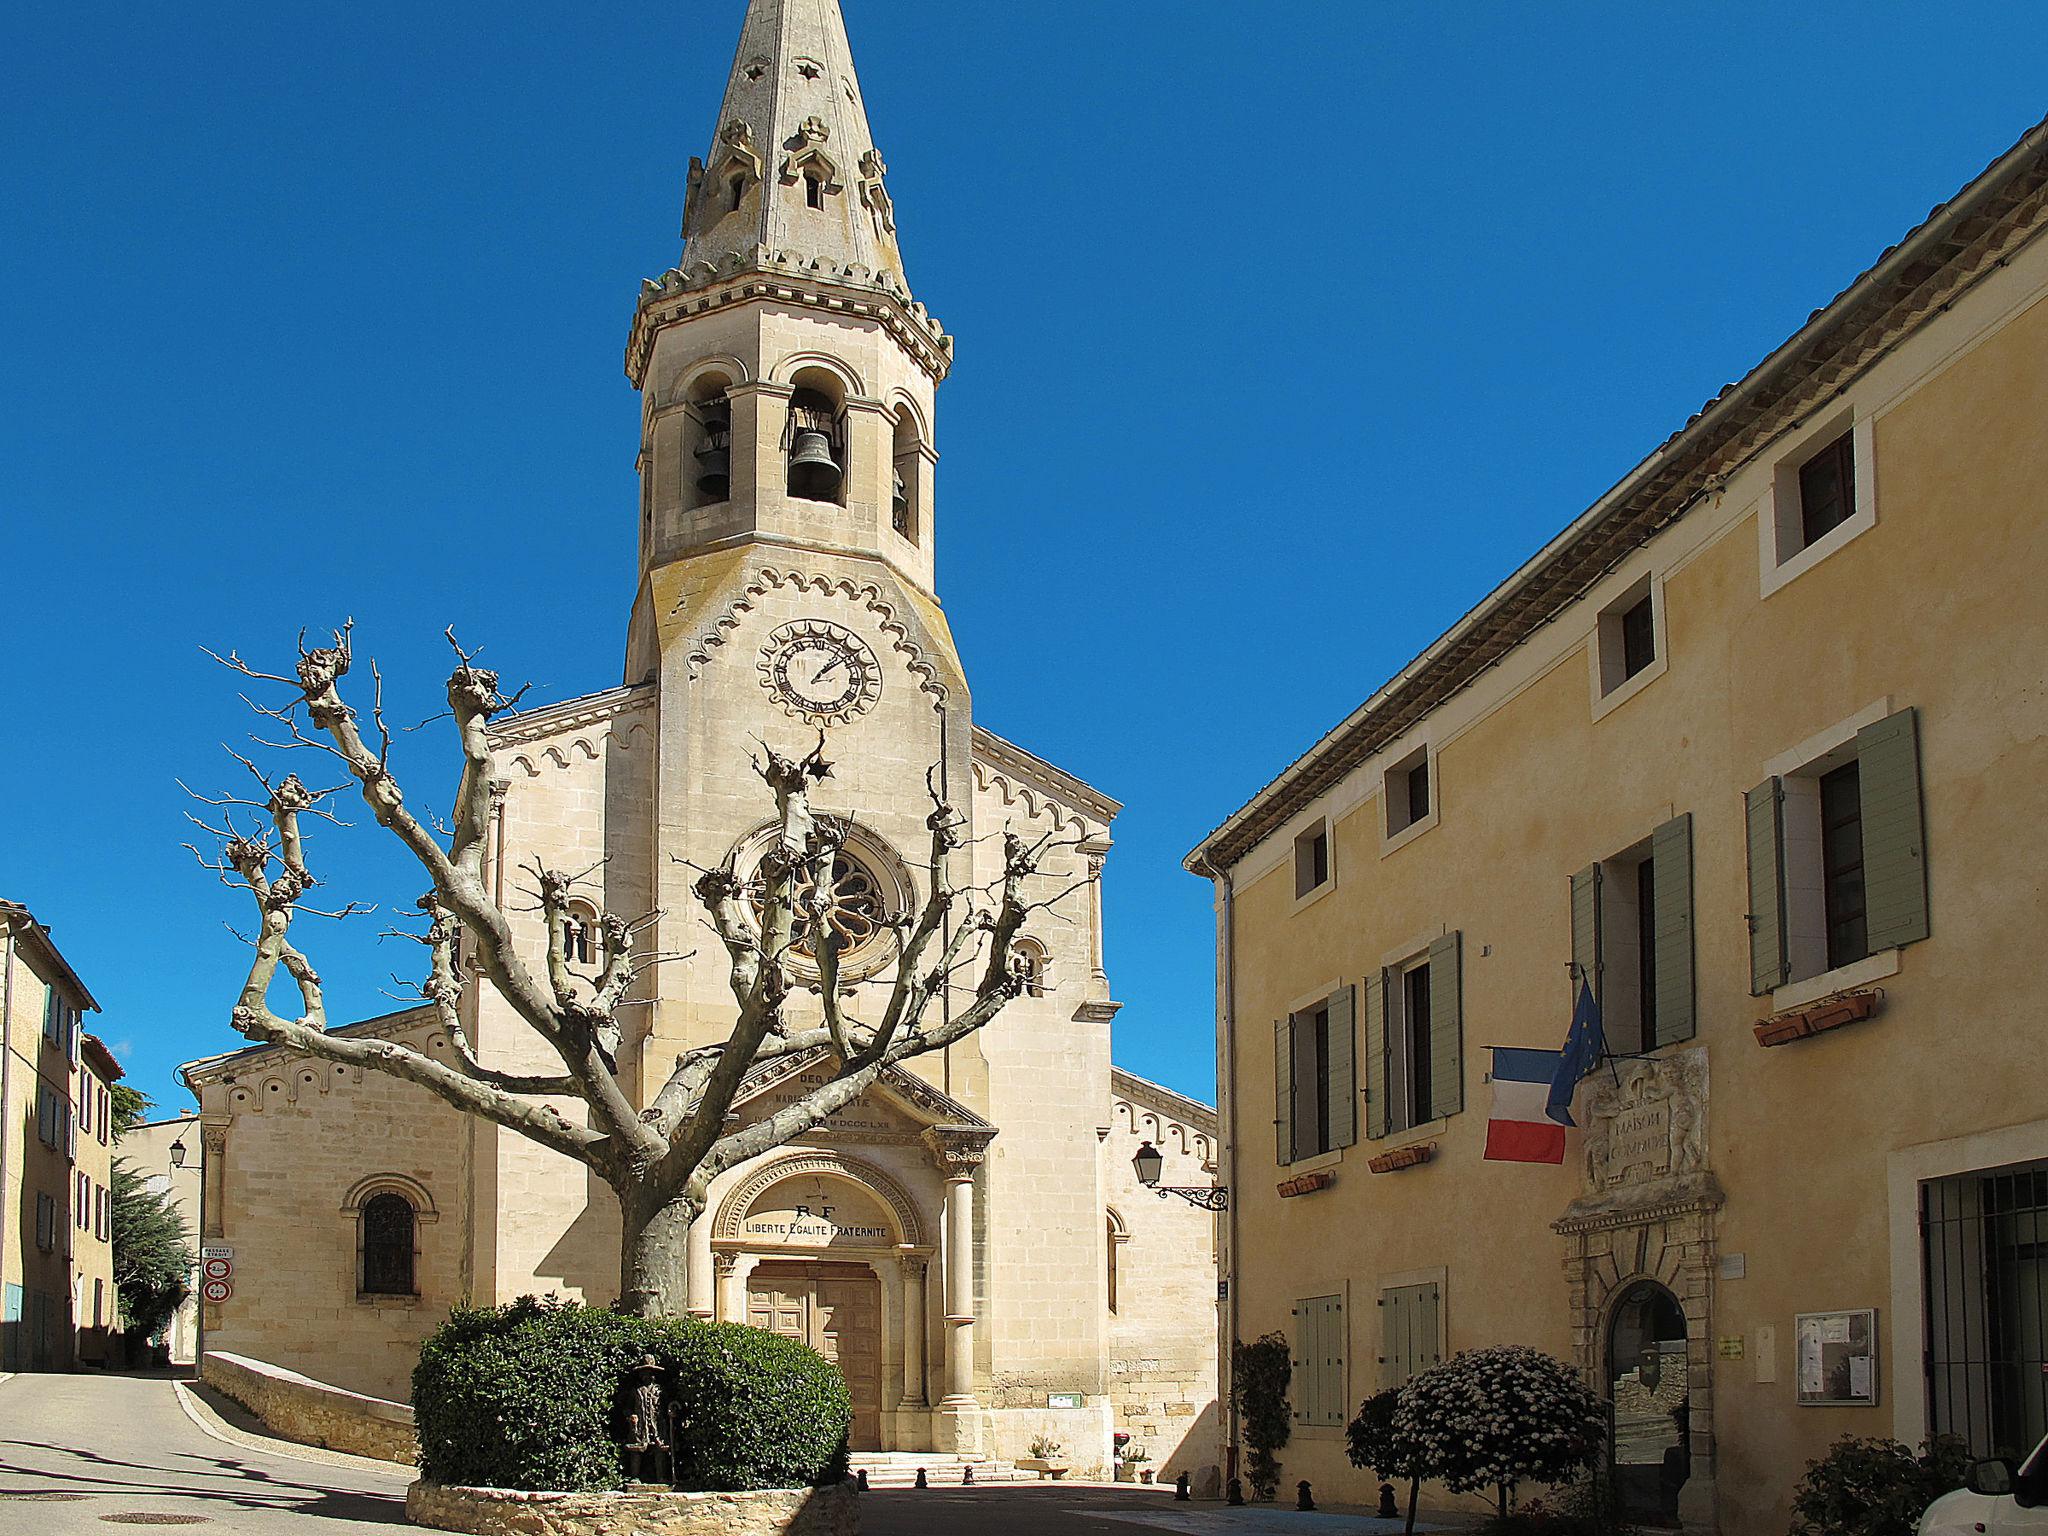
(793, 177)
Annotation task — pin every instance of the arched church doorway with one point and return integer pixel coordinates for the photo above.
(837, 1310)
(1647, 1373)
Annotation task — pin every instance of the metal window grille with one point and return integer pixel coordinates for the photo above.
(1984, 1245)
(388, 1246)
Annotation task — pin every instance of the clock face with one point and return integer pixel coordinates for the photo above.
(820, 672)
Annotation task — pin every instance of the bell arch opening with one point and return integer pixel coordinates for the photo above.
(815, 441)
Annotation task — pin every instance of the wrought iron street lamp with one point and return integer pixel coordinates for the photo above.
(178, 1153)
(1150, 1163)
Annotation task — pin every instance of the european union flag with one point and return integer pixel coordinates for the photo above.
(1584, 1049)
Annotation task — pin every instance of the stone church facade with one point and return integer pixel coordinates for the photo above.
(951, 1239)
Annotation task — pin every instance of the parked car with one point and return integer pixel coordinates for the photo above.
(1997, 1501)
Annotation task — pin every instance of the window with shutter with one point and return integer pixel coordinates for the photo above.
(1672, 980)
(1311, 1081)
(1318, 1387)
(1410, 1325)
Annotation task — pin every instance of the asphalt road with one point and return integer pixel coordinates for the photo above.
(88, 1450)
(93, 1453)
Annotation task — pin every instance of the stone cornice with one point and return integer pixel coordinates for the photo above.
(1007, 760)
(1156, 1096)
(232, 1064)
(780, 277)
(569, 715)
(1689, 1195)
(1961, 242)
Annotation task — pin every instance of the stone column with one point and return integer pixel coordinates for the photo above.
(959, 1151)
(913, 1265)
(730, 1302)
(1096, 851)
(213, 1173)
(697, 1269)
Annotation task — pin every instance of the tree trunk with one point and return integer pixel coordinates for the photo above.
(655, 1256)
(1414, 1495)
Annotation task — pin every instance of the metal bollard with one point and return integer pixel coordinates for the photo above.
(1387, 1508)
(861, 1479)
(1304, 1499)
(1234, 1495)
(922, 1480)
(1180, 1489)
(967, 1476)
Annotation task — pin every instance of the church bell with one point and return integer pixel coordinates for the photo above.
(813, 472)
(714, 462)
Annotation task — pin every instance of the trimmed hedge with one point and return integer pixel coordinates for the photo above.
(530, 1396)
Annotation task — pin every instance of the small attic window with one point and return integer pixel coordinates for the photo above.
(737, 188)
(814, 191)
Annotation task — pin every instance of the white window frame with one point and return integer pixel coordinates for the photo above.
(1800, 770)
(1781, 558)
(1394, 791)
(1604, 651)
(1314, 893)
(1395, 966)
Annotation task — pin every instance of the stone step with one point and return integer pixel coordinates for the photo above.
(899, 1470)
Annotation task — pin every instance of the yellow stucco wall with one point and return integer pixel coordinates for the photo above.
(1939, 606)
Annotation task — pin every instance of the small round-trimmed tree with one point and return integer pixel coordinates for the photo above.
(1385, 1441)
(1488, 1420)
(528, 1396)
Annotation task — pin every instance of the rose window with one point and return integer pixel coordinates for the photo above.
(858, 908)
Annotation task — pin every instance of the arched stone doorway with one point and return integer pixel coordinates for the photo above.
(1649, 1383)
(832, 1251)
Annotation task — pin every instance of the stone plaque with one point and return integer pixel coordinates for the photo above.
(1646, 1121)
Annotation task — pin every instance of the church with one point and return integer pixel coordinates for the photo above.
(969, 1242)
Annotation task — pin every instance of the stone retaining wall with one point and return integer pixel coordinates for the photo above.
(500, 1512)
(296, 1407)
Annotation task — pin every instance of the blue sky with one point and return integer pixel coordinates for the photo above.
(1285, 331)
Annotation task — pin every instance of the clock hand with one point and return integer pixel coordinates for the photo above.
(829, 667)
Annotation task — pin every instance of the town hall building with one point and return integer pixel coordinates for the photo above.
(968, 1242)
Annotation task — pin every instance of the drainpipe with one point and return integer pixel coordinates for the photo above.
(6, 1071)
(1226, 1120)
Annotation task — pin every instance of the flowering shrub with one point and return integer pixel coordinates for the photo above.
(1492, 1419)
(1874, 1487)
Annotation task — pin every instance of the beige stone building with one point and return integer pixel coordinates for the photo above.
(58, 1308)
(949, 1239)
(165, 1155)
(1757, 747)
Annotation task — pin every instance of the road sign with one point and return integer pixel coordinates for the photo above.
(217, 1269)
(217, 1251)
(217, 1291)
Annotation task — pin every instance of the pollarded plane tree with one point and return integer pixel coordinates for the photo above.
(660, 1158)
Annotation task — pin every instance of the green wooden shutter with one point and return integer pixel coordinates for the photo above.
(1586, 929)
(1318, 1386)
(1283, 1090)
(1894, 831)
(1308, 1088)
(1677, 1009)
(1393, 1339)
(1764, 812)
(1376, 1055)
(1446, 1028)
(1427, 1328)
(1341, 1085)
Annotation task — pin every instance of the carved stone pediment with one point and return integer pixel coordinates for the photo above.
(1646, 1141)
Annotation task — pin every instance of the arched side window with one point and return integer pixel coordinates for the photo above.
(579, 935)
(1116, 1237)
(907, 495)
(388, 1246)
(1027, 959)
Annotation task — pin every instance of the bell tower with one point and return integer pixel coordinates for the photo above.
(786, 374)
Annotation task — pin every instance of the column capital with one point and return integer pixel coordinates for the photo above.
(724, 1264)
(958, 1149)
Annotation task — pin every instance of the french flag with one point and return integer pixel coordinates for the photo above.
(1520, 1130)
